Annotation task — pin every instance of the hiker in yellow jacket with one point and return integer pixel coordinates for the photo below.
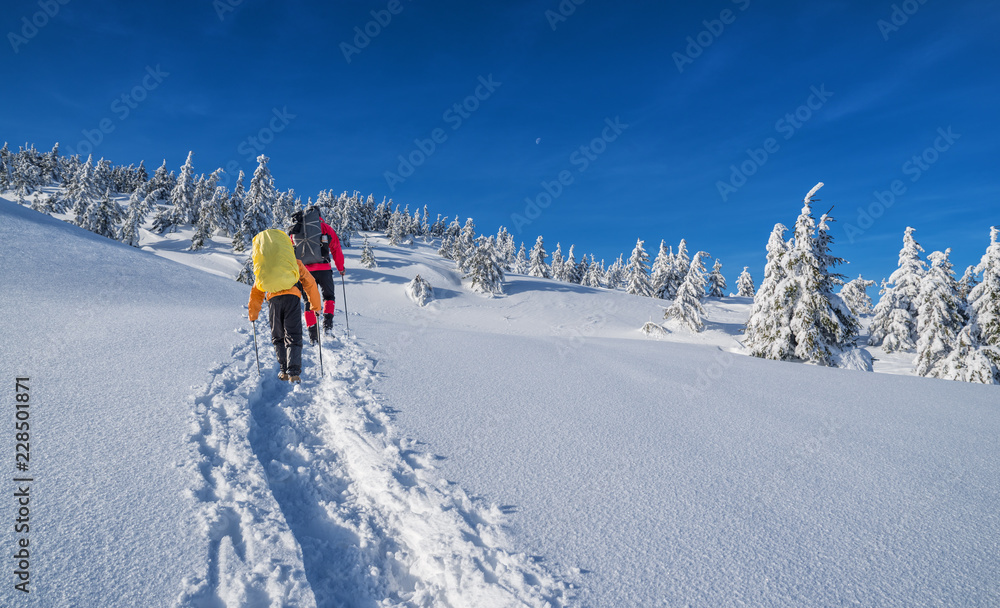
(277, 278)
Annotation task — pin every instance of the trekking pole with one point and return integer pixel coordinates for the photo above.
(347, 319)
(255, 353)
(319, 343)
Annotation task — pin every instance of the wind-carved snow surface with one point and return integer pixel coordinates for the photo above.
(311, 497)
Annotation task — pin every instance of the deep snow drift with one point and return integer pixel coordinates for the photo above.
(587, 464)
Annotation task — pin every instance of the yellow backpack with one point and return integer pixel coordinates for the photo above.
(274, 264)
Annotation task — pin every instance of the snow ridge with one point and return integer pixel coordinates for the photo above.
(309, 497)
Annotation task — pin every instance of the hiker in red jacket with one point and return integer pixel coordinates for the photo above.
(319, 266)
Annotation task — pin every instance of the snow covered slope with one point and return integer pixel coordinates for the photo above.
(167, 473)
(586, 464)
(682, 474)
(112, 340)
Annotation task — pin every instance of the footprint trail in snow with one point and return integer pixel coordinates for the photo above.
(308, 496)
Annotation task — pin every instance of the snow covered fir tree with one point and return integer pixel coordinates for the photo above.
(484, 268)
(976, 355)
(855, 295)
(716, 282)
(420, 291)
(661, 273)
(767, 330)
(368, 255)
(102, 216)
(637, 272)
(687, 309)
(796, 316)
(984, 298)
(894, 326)
(521, 264)
(538, 266)
(744, 284)
(941, 315)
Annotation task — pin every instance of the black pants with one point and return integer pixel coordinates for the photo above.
(324, 279)
(286, 332)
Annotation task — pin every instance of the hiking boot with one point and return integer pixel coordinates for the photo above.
(283, 376)
(313, 337)
(294, 379)
(328, 322)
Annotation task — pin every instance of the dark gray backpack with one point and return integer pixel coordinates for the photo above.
(307, 234)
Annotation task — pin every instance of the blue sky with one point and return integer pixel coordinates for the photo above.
(841, 92)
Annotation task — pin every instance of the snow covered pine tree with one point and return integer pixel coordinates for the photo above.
(940, 316)
(716, 282)
(419, 290)
(485, 268)
(983, 337)
(895, 323)
(799, 316)
(686, 308)
(367, 255)
(637, 272)
(538, 266)
(854, 295)
(744, 284)
(767, 328)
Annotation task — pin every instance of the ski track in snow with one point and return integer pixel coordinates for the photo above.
(309, 497)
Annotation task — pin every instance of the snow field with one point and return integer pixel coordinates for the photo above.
(759, 483)
(112, 338)
(676, 471)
